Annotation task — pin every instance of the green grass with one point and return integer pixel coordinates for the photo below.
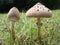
(26, 29)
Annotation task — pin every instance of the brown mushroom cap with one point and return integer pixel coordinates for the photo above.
(13, 14)
(39, 10)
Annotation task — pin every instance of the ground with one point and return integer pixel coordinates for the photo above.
(26, 29)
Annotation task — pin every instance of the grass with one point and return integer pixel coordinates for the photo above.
(26, 30)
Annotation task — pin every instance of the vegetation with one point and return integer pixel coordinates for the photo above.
(26, 30)
(5, 5)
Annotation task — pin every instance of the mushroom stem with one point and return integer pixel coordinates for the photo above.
(12, 32)
(39, 34)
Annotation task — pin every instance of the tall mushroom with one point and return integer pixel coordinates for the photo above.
(13, 16)
(39, 11)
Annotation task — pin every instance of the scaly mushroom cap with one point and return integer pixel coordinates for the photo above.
(13, 14)
(38, 10)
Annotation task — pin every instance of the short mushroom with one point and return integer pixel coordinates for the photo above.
(13, 16)
(39, 11)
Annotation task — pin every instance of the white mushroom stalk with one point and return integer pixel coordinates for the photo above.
(39, 11)
(13, 16)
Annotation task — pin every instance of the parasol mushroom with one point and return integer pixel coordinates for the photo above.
(39, 11)
(13, 16)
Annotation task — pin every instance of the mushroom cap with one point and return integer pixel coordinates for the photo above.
(13, 14)
(39, 10)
